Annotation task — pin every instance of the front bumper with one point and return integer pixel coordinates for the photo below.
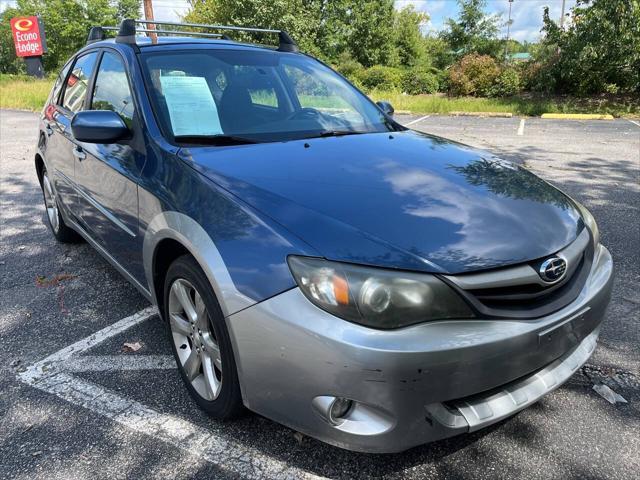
(416, 384)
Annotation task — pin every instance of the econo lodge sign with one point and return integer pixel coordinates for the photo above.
(28, 36)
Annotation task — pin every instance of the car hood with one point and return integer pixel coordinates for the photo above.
(406, 200)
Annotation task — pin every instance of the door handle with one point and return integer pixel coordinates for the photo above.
(79, 153)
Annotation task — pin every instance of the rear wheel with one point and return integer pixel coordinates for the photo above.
(59, 229)
(200, 341)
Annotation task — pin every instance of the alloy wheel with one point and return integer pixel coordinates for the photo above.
(195, 342)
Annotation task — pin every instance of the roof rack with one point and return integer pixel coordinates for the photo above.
(128, 29)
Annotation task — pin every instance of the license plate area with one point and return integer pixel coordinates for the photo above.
(565, 334)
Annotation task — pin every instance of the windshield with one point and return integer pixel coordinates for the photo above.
(250, 96)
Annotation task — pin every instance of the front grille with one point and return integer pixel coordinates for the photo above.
(519, 292)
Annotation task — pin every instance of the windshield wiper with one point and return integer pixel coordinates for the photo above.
(336, 133)
(216, 140)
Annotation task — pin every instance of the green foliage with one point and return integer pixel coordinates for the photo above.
(349, 67)
(474, 31)
(507, 84)
(66, 24)
(473, 75)
(381, 78)
(408, 39)
(322, 28)
(289, 15)
(600, 48)
(419, 81)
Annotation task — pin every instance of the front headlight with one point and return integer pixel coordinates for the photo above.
(590, 222)
(376, 297)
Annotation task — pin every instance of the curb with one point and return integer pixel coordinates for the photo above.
(576, 116)
(482, 114)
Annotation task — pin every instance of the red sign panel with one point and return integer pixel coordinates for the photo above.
(27, 36)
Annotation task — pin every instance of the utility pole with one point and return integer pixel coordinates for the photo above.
(562, 15)
(148, 15)
(506, 45)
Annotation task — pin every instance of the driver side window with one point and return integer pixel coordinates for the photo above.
(111, 90)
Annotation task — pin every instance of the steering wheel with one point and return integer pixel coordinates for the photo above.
(305, 114)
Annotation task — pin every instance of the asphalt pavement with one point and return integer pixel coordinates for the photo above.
(125, 414)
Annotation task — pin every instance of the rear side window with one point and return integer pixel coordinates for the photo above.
(77, 82)
(111, 90)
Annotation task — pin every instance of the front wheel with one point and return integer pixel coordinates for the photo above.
(200, 341)
(59, 229)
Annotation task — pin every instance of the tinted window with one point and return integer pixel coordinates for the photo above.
(78, 81)
(111, 90)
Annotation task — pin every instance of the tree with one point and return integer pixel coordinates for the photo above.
(474, 31)
(66, 24)
(408, 37)
(297, 17)
(325, 28)
(370, 36)
(598, 52)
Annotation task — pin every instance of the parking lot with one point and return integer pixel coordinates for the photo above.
(76, 403)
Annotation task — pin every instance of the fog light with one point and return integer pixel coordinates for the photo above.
(339, 409)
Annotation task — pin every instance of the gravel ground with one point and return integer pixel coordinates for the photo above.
(573, 432)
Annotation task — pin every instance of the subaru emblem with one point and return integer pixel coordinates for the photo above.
(553, 269)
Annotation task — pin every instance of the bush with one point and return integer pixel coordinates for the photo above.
(473, 75)
(507, 84)
(418, 81)
(537, 77)
(381, 78)
(349, 67)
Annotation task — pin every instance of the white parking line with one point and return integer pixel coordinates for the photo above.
(521, 127)
(107, 363)
(53, 375)
(635, 123)
(417, 120)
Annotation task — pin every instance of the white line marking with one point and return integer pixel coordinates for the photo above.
(521, 127)
(212, 444)
(417, 120)
(108, 363)
(635, 123)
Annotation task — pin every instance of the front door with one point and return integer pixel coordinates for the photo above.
(107, 174)
(60, 148)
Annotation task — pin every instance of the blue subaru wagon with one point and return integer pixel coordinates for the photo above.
(315, 261)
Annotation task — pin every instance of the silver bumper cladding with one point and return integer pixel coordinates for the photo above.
(479, 411)
(426, 382)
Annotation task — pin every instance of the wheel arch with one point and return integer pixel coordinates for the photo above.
(172, 234)
(39, 163)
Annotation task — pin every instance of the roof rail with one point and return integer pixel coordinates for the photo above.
(128, 29)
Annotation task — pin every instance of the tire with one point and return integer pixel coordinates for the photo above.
(60, 230)
(200, 341)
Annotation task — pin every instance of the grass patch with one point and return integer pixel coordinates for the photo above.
(27, 93)
(24, 92)
(530, 105)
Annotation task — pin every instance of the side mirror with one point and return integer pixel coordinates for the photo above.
(386, 107)
(98, 126)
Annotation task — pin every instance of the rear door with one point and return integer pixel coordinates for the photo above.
(107, 174)
(60, 152)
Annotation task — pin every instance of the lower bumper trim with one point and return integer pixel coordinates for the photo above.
(479, 411)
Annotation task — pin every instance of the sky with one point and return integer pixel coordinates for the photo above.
(526, 14)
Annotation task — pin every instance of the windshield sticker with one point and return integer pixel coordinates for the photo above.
(192, 110)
